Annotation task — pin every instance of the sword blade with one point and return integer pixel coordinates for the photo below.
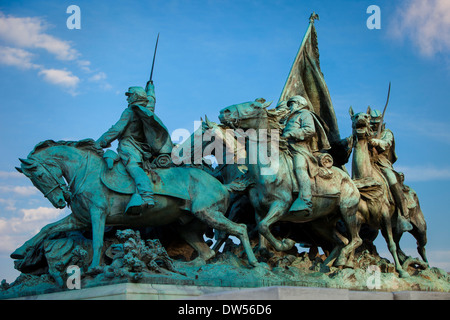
(154, 56)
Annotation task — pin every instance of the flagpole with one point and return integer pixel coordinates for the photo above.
(313, 17)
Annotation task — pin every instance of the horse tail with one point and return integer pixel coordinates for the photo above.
(240, 184)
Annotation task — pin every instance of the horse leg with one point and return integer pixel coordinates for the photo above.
(419, 232)
(352, 220)
(397, 234)
(420, 235)
(192, 233)
(386, 231)
(221, 236)
(262, 242)
(339, 242)
(69, 223)
(216, 219)
(98, 219)
(276, 211)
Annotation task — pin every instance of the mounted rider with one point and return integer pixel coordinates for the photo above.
(142, 136)
(306, 136)
(385, 157)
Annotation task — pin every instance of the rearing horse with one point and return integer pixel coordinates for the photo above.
(335, 197)
(94, 205)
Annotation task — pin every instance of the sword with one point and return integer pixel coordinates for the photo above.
(154, 56)
(384, 111)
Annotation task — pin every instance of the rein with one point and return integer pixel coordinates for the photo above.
(66, 188)
(83, 179)
(62, 186)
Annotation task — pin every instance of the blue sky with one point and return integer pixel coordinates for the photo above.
(62, 84)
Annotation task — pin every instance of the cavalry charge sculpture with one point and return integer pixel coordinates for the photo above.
(303, 195)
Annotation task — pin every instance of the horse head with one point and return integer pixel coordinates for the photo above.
(245, 115)
(47, 176)
(361, 124)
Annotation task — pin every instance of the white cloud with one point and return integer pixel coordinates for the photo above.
(84, 65)
(10, 174)
(10, 205)
(98, 76)
(41, 213)
(60, 77)
(424, 173)
(25, 36)
(20, 190)
(14, 231)
(426, 24)
(17, 57)
(28, 32)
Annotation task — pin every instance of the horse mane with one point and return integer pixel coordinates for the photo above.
(85, 144)
(275, 121)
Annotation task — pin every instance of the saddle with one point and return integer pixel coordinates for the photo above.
(325, 172)
(164, 179)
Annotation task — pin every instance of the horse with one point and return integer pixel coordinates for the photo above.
(336, 196)
(95, 206)
(417, 219)
(377, 209)
(199, 145)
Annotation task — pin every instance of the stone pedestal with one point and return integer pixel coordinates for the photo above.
(136, 291)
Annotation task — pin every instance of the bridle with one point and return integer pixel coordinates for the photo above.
(64, 188)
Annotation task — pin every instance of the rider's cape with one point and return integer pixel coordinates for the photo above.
(155, 131)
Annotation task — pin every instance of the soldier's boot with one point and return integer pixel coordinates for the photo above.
(304, 199)
(403, 223)
(144, 196)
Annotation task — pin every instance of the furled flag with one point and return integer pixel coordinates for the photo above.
(306, 79)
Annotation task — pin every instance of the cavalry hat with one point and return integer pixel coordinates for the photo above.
(299, 99)
(138, 93)
(375, 116)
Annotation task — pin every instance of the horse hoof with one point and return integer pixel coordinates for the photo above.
(403, 273)
(197, 262)
(264, 252)
(340, 262)
(256, 264)
(287, 244)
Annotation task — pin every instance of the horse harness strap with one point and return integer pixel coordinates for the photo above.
(58, 184)
(83, 179)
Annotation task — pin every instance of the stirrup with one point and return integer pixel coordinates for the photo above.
(301, 205)
(134, 206)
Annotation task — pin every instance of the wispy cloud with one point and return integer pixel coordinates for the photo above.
(19, 190)
(29, 32)
(425, 23)
(9, 204)
(28, 37)
(424, 173)
(14, 231)
(17, 58)
(60, 77)
(424, 127)
(10, 174)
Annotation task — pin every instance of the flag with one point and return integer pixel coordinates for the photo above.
(306, 79)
